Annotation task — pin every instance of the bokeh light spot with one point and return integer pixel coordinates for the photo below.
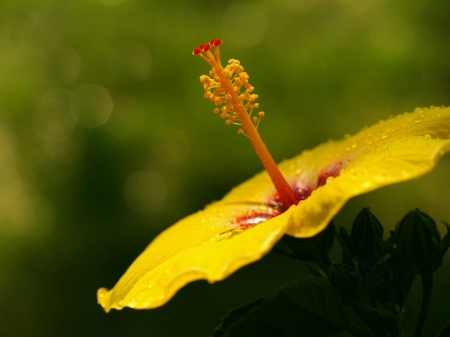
(131, 62)
(91, 105)
(53, 108)
(171, 147)
(61, 64)
(33, 217)
(66, 152)
(145, 192)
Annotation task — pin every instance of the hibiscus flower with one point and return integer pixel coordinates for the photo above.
(298, 197)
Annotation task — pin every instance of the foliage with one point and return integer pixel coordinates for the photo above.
(371, 282)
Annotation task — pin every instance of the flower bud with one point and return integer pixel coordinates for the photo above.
(348, 283)
(418, 240)
(315, 248)
(367, 237)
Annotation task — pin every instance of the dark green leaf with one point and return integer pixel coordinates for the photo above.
(308, 307)
(235, 315)
(314, 272)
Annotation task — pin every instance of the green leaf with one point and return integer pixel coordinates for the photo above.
(307, 307)
(314, 272)
(235, 315)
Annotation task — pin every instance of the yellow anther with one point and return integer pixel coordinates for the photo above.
(238, 69)
(261, 114)
(224, 87)
(244, 76)
(226, 73)
(241, 131)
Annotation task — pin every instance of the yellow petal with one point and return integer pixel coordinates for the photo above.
(205, 245)
(399, 149)
(212, 244)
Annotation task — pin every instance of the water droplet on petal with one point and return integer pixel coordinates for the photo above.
(354, 145)
(132, 303)
(384, 136)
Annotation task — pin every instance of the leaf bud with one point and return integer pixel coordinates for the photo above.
(367, 237)
(419, 242)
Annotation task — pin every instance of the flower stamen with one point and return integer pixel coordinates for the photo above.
(233, 96)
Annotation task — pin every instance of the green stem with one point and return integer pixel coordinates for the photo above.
(427, 286)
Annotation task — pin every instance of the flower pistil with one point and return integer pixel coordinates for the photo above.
(233, 96)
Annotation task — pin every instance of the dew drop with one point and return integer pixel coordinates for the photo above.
(354, 145)
(330, 180)
(384, 136)
(132, 303)
(417, 120)
(298, 171)
(150, 285)
(167, 271)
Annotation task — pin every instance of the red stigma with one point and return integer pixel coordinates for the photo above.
(215, 42)
(206, 47)
(196, 51)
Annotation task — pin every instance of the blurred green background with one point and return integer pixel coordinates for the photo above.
(106, 139)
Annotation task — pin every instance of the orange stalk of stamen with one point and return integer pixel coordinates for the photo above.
(226, 92)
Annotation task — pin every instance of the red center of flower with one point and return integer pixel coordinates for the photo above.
(302, 191)
(333, 172)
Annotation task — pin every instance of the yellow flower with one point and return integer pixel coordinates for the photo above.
(249, 220)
